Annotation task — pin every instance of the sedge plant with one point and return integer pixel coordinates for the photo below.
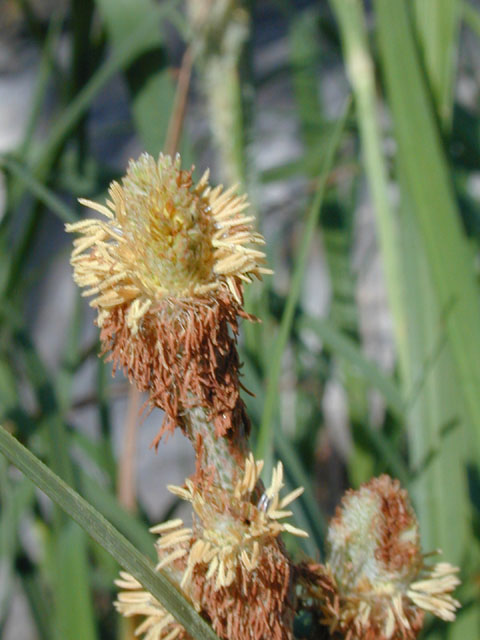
(166, 265)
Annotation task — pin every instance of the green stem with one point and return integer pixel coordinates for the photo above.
(361, 73)
(225, 454)
(265, 438)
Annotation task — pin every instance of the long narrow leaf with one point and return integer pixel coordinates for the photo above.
(437, 27)
(39, 190)
(73, 602)
(435, 420)
(361, 73)
(106, 535)
(442, 298)
(125, 522)
(265, 439)
(294, 468)
(346, 348)
(423, 164)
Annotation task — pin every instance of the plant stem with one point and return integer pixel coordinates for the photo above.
(226, 455)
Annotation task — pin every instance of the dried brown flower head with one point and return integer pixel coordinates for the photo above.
(166, 269)
(375, 584)
(231, 529)
(257, 605)
(235, 569)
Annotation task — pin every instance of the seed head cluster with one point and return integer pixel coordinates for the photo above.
(164, 237)
(231, 529)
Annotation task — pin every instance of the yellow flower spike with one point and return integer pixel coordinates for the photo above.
(233, 566)
(164, 237)
(165, 266)
(231, 555)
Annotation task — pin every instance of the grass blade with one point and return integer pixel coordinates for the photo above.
(294, 468)
(106, 535)
(437, 27)
(442, 298)
(435, 418)
(337, 231)
(265, 438)
(125, 522)
(73, 603)
(72, 590)
(15, 497)
(423, 164)
(361, 73)
(39, 190)
(44, 72)
(346, 348)
(151, 100)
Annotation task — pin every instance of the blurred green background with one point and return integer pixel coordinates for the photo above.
(355, 130)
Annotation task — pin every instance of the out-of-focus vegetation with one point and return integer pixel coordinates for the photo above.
(406, 132)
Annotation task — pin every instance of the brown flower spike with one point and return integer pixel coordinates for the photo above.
(231, 562)
(236, 568)
(376, 584)
(166, 268)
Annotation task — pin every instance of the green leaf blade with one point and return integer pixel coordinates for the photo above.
(105, 535)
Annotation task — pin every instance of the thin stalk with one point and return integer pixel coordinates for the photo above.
(177, 118)
(126, 478)
(221, 453)
(265, 437)
(81, 63)
(361, 74)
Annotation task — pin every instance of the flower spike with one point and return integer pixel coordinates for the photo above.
(233, 554)
(376, 584)
(157, 624)
(166, 269)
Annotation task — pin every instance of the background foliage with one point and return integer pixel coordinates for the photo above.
(400, 146)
